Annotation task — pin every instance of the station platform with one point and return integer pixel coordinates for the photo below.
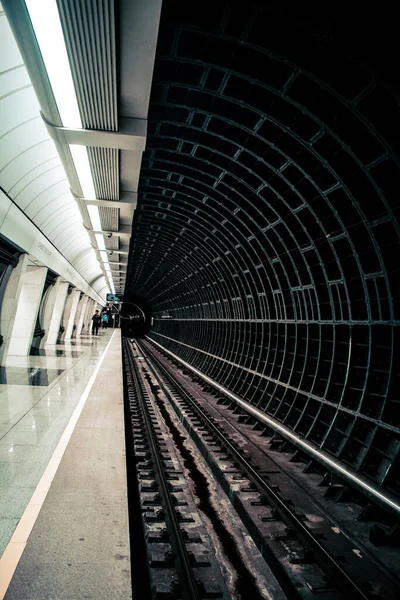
(63, 503)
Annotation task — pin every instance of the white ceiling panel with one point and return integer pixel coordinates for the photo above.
(55, 210)
(21, 167)
(30, 168)
(33, 174)
(47, 196)
(15, 79)
(10, 56)
(14, 105)
(65, 214)
(22, 232)
(51, 183)
(27, 135)
(74, 236)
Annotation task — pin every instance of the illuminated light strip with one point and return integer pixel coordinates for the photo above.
(101, 245)
(48, 31)
(81, 161)
(322, 456)
(46, 23)
(82, 166)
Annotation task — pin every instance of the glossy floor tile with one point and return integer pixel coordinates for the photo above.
(77, 343)
(78, 544)
(71, 353)
(31, 376)
(38, 395)
(29, 362)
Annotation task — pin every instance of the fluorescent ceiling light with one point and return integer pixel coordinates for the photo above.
(81, 161)
(100, 241)
(95, 218)
(46, 23)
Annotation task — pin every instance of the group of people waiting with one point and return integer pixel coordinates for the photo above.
(96, 320)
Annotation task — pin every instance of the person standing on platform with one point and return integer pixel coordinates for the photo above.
(104, 321)
(95, 324)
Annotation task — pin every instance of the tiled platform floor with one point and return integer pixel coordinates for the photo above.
(34, 411)
(33, 376)
(57, 352)
(79, 544)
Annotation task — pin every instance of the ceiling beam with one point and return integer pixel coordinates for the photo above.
(124, 231)
(131, 135)
(126, 199)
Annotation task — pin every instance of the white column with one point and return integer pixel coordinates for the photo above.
(26, 291)
(79, 325)
(10, 302)
(59, 296)
(78, 315)
(88, 316)
(73, 300)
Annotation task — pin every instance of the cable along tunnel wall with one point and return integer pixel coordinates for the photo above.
(266, 239)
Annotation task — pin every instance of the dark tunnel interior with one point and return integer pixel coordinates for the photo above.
(135, 317)
(266, 238)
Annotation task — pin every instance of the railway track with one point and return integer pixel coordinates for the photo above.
(296, 552)
(182, 561)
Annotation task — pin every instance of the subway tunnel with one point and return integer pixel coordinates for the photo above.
(215, 185)
(266, 237)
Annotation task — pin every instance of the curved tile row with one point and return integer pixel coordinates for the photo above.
(31, 172)
(266, 238)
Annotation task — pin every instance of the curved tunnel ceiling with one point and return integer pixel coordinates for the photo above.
(31, 172)
(266, 239)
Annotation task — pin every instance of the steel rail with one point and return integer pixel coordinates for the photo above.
(352, 477)
(342, 579)
(189, 586)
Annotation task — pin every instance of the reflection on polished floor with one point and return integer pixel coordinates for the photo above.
(38, 395)
(77, 342)
(40, 352)
(28, 376)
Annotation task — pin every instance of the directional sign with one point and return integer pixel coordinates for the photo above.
(114, 298)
